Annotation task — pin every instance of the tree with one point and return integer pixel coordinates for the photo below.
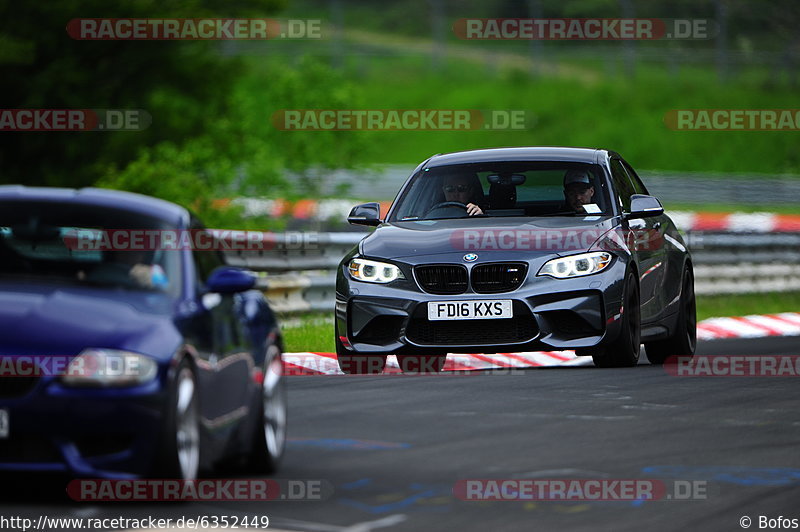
(183, 85)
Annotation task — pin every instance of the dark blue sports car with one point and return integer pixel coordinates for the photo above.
(516, 249)
(124, 359)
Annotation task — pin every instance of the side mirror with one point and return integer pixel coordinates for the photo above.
(229, 280)
(365, 214)
(643, 206)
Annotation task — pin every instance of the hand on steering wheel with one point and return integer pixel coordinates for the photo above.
(445, 205)
(471, 209)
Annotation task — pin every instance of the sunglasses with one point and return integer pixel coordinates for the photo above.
(455, 188)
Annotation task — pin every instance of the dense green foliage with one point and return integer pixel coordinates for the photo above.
(182, 85)
(211, 102)
(241, 153)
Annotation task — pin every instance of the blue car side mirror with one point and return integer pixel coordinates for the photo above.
(228, 280)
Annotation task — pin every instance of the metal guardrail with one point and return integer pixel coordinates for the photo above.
(746, 278)
(736, 248)
(298, 273)
(294, 292)
(298, 251)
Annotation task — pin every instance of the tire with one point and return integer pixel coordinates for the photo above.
(351, 364)
(684, 341)
(623, 352)
(422, 363)
(269, 439)
(179, 453)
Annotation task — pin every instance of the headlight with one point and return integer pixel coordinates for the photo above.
(109, 367)
(373, 271)
(576, 265)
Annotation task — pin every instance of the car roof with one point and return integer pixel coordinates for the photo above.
(128, 201)
(580, 155)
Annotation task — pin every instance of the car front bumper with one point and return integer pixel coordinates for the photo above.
(548, 314)
(83, 432)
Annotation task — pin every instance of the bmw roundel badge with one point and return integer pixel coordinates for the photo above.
(471, 257)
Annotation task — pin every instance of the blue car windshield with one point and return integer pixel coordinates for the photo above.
(523, 189)
(92, 245)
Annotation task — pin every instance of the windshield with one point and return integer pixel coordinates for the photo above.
(504, 189)
(64, 242)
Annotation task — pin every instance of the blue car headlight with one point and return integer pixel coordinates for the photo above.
(576, 265)
(373, 271)
(109, 368)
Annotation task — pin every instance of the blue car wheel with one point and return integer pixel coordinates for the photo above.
(180, 455)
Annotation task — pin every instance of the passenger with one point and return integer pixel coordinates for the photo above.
(578, 190)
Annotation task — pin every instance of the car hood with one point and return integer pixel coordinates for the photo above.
(529, 237)
(49, 319)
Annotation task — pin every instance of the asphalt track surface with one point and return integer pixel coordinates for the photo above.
(393, 447)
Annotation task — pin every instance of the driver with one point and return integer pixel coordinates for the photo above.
(464, 189)
(135, 265)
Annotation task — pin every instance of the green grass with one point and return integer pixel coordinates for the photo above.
(741, 305)
(626, 117)
(314, 332)
(782, 208)
(308, 332)
(573, 104)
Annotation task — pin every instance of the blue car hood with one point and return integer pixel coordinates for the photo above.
(50, 319)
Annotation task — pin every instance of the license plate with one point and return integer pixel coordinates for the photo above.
(470, 310)
(3, 423)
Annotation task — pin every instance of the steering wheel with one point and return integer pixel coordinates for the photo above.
(447, 205)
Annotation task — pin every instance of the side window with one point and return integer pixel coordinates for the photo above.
(622, 184)
(638, 186)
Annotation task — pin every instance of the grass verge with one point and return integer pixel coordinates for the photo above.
(626, 115)
(308, 332)
(741, 305)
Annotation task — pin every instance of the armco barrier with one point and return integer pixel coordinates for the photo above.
(299, 276)
(294, 292)
(746, 278)
(294, 252)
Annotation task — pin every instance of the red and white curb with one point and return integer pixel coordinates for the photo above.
(326, 209)
(746, 222)
(326, 364)
(755, 326)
